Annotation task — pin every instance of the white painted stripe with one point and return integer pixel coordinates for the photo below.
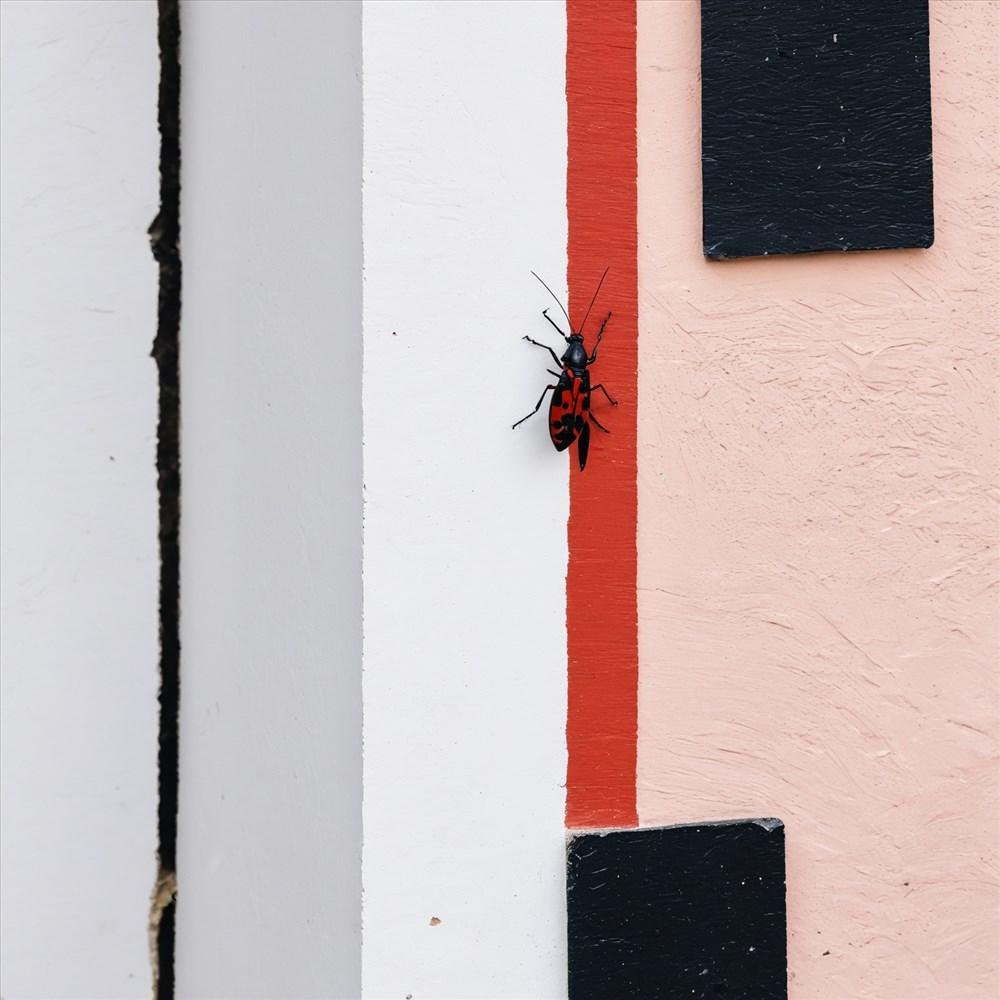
(465, 548)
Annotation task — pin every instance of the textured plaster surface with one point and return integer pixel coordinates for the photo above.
(817, 539)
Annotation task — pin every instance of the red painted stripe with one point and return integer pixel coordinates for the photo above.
(601, 582)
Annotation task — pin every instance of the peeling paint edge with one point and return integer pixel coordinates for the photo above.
(767, 823)
(164, 234)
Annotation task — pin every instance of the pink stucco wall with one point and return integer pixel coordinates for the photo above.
(817, 526)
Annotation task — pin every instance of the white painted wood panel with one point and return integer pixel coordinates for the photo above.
(80, 560)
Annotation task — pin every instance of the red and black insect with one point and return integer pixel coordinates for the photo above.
(570, 415)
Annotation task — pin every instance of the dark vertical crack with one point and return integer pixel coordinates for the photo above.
(165, 239)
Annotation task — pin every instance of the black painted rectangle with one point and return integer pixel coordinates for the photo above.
(816, 126)
(694, 912)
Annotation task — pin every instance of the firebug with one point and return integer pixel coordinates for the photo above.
(570, 415)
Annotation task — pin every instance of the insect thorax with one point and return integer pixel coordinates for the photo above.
(576, 354)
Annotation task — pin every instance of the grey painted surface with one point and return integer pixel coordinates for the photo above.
(269, 874)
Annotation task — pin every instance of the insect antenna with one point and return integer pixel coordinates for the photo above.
(558, 303)
(593, 300)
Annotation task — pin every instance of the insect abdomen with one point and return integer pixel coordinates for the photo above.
(567, 414)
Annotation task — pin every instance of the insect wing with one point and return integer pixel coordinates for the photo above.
(583, 445)
(567, 413)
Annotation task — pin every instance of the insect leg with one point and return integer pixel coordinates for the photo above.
(555, 357)
(613, 402)
(545, 313)
(538, 406)
(599, 424)
(600, 333)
